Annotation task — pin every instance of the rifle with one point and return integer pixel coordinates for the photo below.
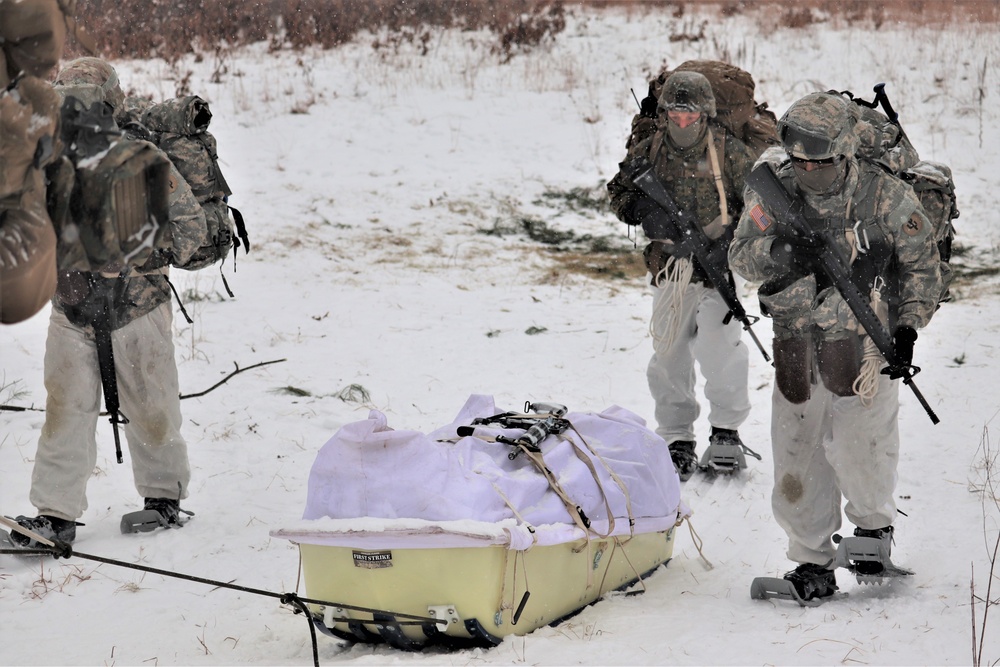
(765, 183)
(691, 240)
(97, 310)
(106, 363)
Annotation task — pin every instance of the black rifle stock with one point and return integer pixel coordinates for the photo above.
(786, 208)
(689, 239)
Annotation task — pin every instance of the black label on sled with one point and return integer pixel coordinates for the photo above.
(372, 560)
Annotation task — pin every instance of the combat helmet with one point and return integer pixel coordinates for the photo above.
(820, 126)
(89, 78)
(687, 91)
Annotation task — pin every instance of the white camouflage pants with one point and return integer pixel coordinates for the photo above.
(722, 357)
(149, 397)
(827, 449)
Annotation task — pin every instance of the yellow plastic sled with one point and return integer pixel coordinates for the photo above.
(471, 589)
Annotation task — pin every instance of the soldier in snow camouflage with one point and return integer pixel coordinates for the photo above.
(140, 320)
(834, 415)
(703, 167)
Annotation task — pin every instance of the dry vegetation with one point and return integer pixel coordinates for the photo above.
(171, 29)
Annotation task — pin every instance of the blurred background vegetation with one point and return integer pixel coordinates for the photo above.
(171, 29)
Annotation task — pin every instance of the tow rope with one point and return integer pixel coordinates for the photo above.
(62, 550)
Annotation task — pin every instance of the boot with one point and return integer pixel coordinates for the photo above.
(49, 527)
(874, 567)
(682, 454)
(812, 581)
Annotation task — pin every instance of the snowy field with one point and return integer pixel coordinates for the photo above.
(367, 179)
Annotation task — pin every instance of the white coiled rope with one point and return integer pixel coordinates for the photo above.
(866, 384)
(665, 324)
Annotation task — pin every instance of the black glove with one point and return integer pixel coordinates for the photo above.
(902, 351)
(646, 212)
(639, 210)
(797, 253)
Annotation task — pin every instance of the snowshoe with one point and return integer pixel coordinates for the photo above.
(726, 453)
(808, 584)
(46, 527)
(156, 513)
(867, 555)
(683, 456)
(39, 536)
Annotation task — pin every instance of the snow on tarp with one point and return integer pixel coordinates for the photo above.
(371, 480)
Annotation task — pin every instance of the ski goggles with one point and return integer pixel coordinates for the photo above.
(798, 143)
(818, 164)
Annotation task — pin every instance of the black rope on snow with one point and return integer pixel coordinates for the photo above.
(293, 599)
(63, 550)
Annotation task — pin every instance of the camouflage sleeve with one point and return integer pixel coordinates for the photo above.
(189, 230)
(623, 194)
(917, 254)
(750, 251)
(739, 162)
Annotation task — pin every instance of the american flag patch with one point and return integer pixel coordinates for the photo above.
(759, 217)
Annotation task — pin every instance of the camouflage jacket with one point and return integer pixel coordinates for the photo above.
(873, 205)
(146, 288)
(687, 175)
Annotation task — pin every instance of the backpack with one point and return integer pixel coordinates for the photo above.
(179, 127)
(752, 123)
(883, 141)
(116, 186)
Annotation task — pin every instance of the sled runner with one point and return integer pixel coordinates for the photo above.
(495, 525)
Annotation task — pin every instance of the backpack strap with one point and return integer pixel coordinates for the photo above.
(713, 157)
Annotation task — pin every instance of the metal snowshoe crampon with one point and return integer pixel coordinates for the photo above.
(156, 513)
(867, 555)
(726, 453)
(808, 584)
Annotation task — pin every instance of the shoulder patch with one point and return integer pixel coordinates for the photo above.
(760, 218)
(913, 226)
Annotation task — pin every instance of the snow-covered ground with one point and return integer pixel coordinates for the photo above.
(367, 179)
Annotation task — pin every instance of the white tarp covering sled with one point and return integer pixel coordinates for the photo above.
(600, 484)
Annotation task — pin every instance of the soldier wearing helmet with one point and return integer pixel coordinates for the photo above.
(703, 167)
(127, 305)
(834, 415)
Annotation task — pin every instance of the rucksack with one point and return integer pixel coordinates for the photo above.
(179, 127)
(107, 195)
(883, 141)
(736, 110)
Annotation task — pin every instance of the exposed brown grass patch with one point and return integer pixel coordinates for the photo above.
(612, 266)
